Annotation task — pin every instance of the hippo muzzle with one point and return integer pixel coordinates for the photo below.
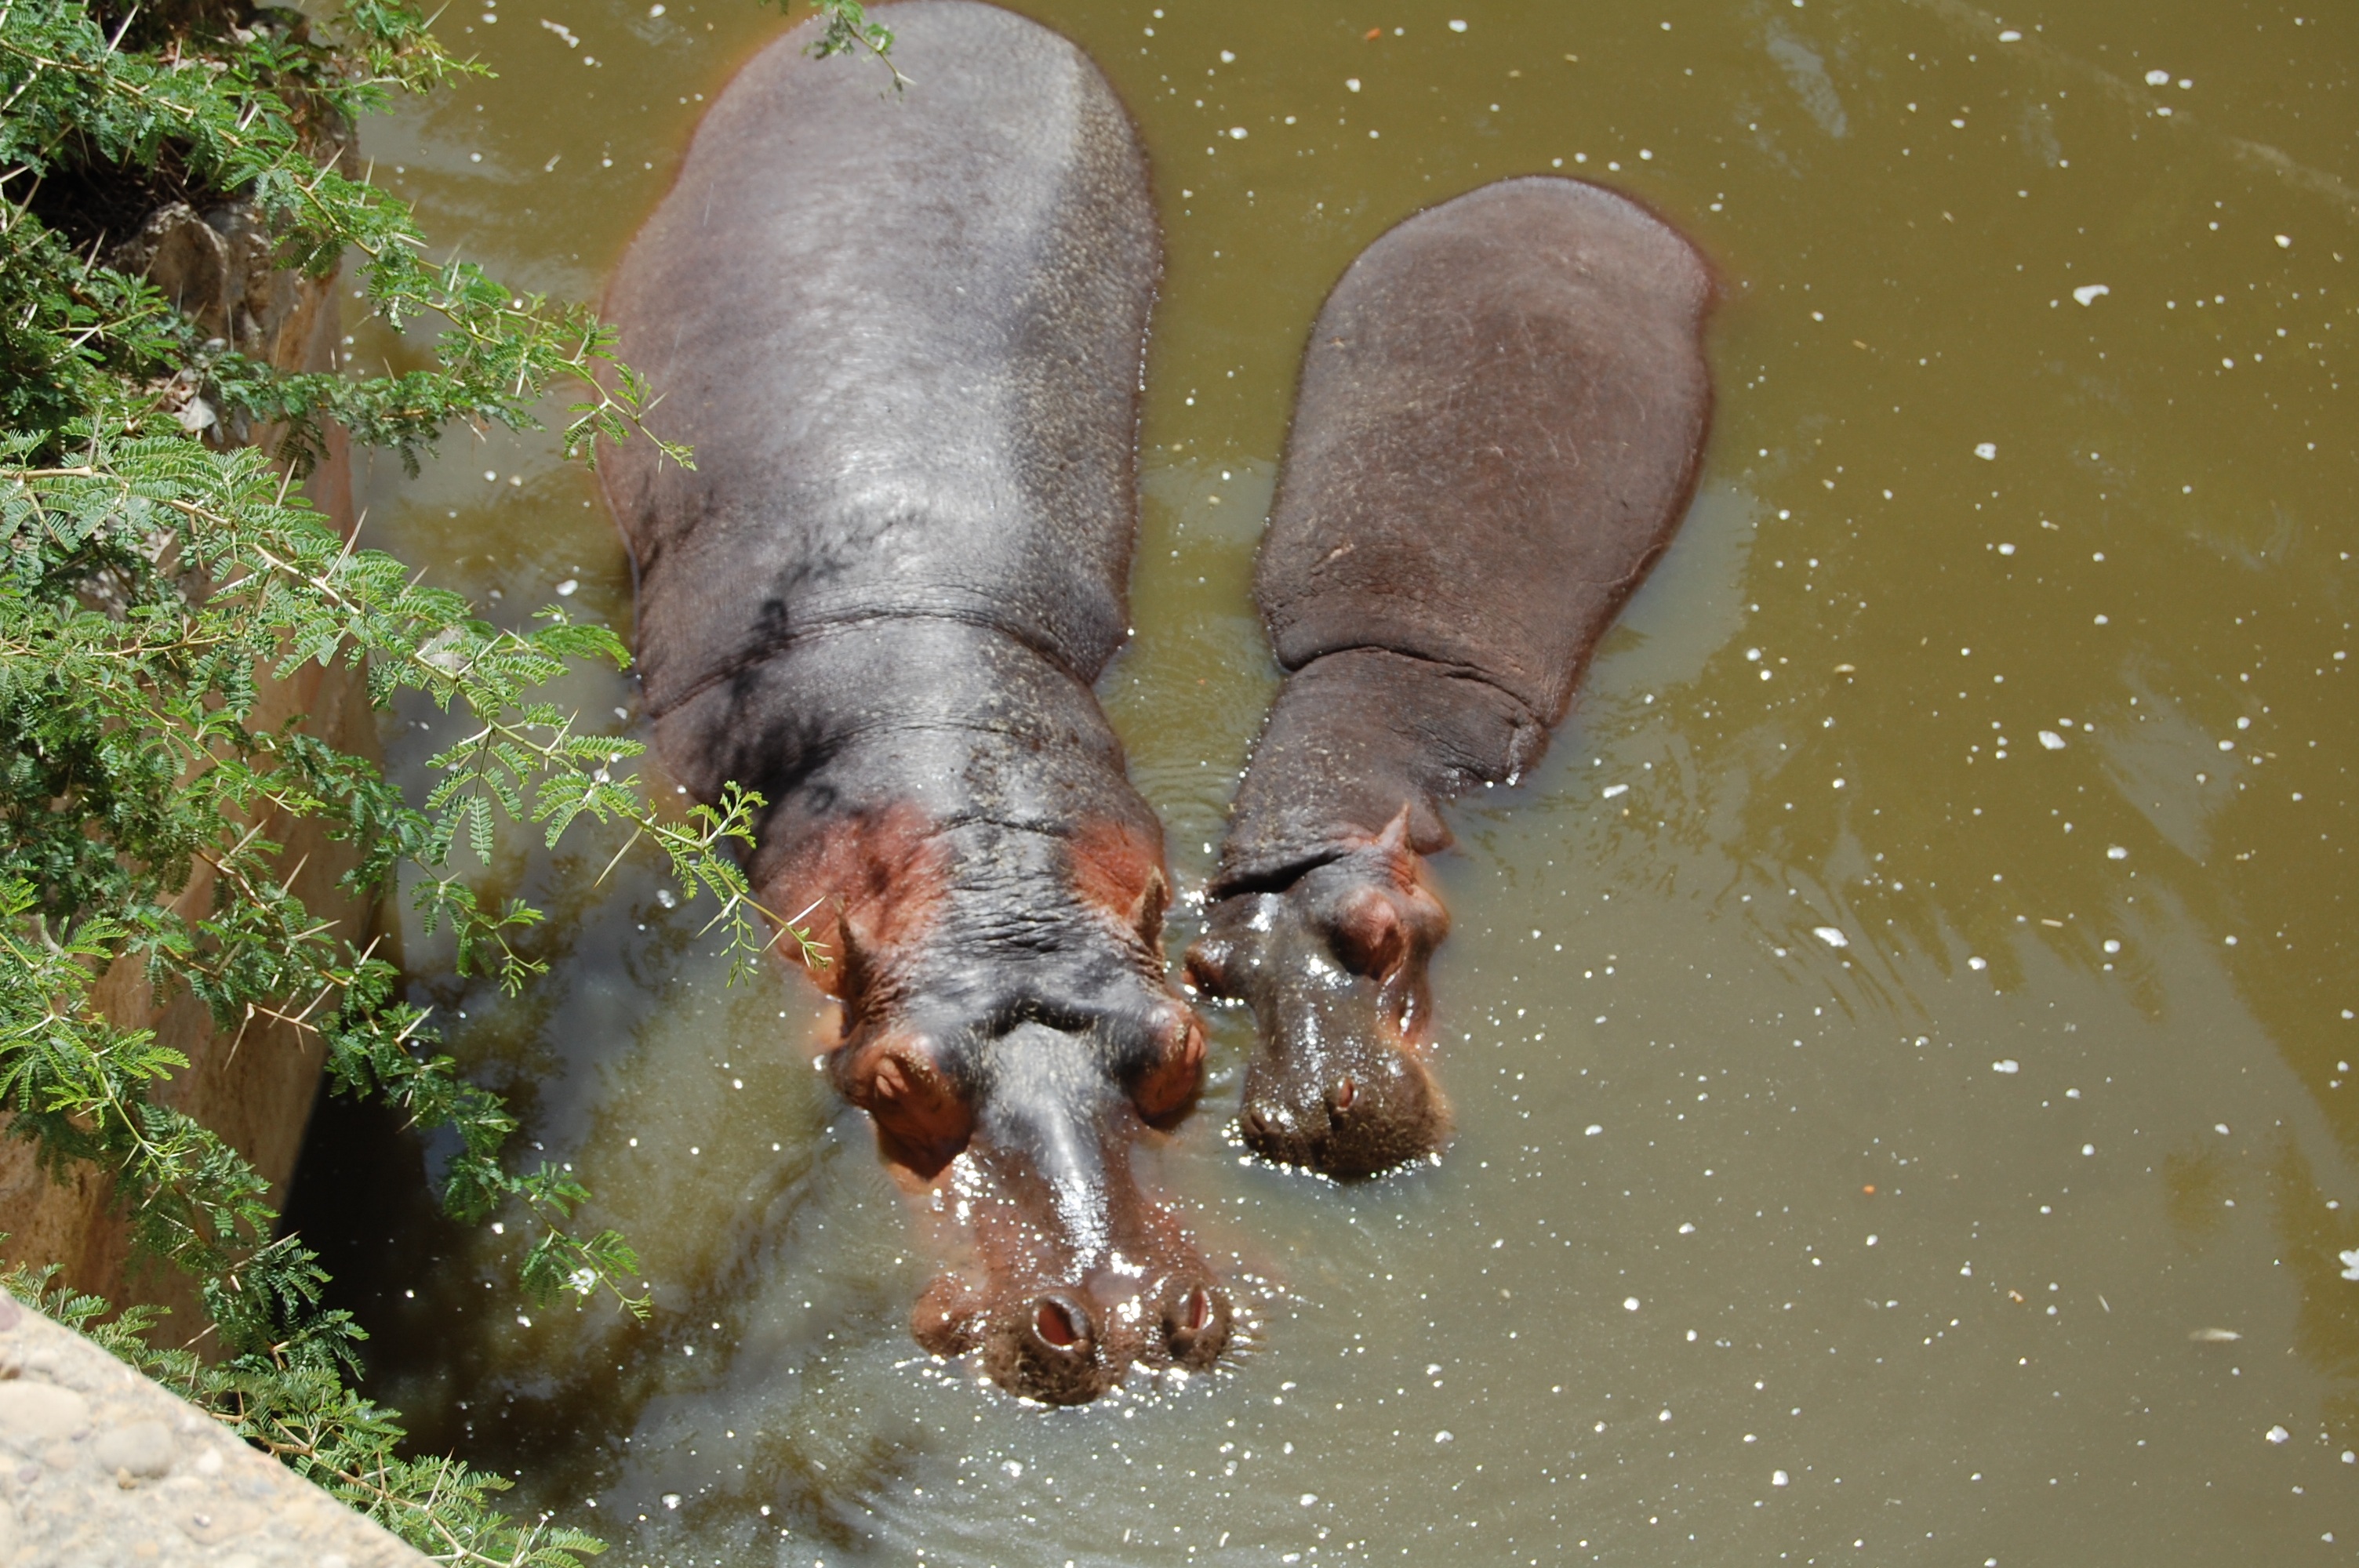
(1075, 1275)
(1335, 968)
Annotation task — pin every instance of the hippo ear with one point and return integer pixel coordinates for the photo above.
(1394, 839)
(1146, 912)
(1368, 932)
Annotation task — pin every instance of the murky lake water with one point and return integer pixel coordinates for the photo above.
(1902, 1037)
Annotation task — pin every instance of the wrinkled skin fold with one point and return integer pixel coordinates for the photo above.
(1502, 410)
(903, 336)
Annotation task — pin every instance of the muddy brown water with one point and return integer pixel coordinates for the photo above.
(1902, 1037)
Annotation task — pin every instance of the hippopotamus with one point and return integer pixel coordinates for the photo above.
(903, 334)
(1501, 415)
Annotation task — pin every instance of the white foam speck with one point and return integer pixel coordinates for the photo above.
(2053, 741)
(1986, 450)
(2089, 293)
(1831, 936)
(2006, 1064)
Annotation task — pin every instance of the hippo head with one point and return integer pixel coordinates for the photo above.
(1335, 968)
(1024, 1129)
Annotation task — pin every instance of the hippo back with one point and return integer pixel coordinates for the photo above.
(1501, 412)
(903, 333)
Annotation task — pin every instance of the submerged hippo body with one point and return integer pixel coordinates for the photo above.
(903, 337)
(1501, 415)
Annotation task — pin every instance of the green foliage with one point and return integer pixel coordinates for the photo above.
(846, 29)
(150, 583)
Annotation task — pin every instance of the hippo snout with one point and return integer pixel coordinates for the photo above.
(1063, 1346)
(1380, 1114)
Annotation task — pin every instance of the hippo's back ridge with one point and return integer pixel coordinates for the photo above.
(882, 321)
(1491, 532)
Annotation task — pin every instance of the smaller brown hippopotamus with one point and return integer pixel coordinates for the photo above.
(903, 336)
(1502, 412)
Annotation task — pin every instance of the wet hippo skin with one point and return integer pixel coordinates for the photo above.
(1503, 407)
(903, 336)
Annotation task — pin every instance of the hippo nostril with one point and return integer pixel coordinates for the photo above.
(1196, 1327)
(1345, 1092)
(1054, 1324)
(1046, 1349)
(1257, 1123)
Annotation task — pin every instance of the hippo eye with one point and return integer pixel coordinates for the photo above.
(1055, 1325)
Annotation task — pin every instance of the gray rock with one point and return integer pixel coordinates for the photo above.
(34, 1415)
(141, 1451)
(111, 1471)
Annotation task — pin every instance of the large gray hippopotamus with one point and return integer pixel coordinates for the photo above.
(1502, 411)
(904, 335)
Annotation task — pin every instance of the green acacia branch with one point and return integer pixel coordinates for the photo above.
(148, 585)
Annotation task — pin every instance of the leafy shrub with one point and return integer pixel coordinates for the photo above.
(154, 574)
